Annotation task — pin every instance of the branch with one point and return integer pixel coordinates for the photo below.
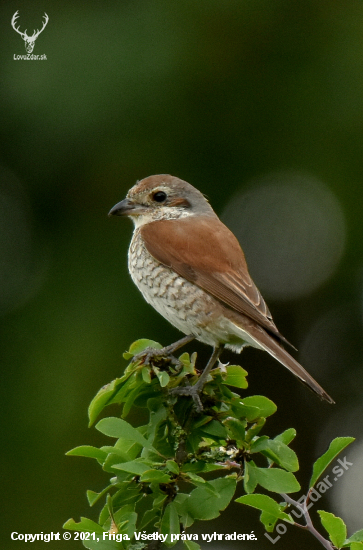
(309, 524)
(160, 472)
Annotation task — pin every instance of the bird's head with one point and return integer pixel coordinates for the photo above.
(162, 197)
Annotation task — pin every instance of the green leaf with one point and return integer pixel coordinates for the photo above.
(157, 418)
(170, 523)
(104, 516)
(287, 436)
(104, 396)
(172, 466)
(201, 504)
(130, 397)
(335, 447)
(214, 428)
(242, 411)
(278, 481)
(356, 546)
(88, 451)
(137, 467)
(266, 406)
(185, 359)
(122, 392)
(159, 501)
(108, 466)
(146, 376)
(155, 476)
(201, 422)
(180, 502)
(269, 521)
(84, 525)
(249, 478)
(127, 449)
(253, 407)
(196, 478)
(255, 429)
(236, 376)
(163, 377)
(278, 452)
(265, 504)
(274, 479)
(128, 494)
(188, 362)
(259, 444)
(356, 537)
(200, 482)
(139, 346)
(93, 497)
(148, 517)
(236, 428)
(199, 466)
(335, 526)
(116, 427)
(125, 518)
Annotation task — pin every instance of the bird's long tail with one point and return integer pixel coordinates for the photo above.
(275, 349)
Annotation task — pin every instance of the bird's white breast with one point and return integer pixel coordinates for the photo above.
(186, 306)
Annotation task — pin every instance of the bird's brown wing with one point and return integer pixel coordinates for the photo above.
(204, 251)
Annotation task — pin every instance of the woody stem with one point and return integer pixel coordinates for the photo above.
(214, 357)
(308, 523)
(178, 344)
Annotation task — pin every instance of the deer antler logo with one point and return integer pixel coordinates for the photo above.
(29, 40)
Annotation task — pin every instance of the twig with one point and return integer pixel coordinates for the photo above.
(309, 524)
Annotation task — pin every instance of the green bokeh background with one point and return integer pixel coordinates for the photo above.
(216, 93)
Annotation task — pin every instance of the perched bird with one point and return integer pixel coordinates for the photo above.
(190, 267)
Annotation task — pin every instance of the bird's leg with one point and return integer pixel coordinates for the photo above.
(194, 391)
(148, 354)
(177, 345)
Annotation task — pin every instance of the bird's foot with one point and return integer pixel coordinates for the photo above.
(156, 357)
(163, 355)
(194, 391)
(190, 391)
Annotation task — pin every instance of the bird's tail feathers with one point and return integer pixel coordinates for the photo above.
(269, 344)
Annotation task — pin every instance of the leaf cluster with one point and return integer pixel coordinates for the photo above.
(183, 465)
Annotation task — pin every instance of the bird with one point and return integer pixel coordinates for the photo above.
(191, 268)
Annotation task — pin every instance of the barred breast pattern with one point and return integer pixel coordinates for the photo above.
(183, 304)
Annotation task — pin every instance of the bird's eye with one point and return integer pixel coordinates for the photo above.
(159, 196)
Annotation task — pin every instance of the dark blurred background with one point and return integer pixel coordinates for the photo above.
(257, 103)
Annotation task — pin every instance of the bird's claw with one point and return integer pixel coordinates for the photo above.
(153, 355)
(190, 391)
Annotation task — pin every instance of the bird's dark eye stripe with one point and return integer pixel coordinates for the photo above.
(159, 196)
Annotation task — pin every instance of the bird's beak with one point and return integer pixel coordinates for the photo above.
(124, 208)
